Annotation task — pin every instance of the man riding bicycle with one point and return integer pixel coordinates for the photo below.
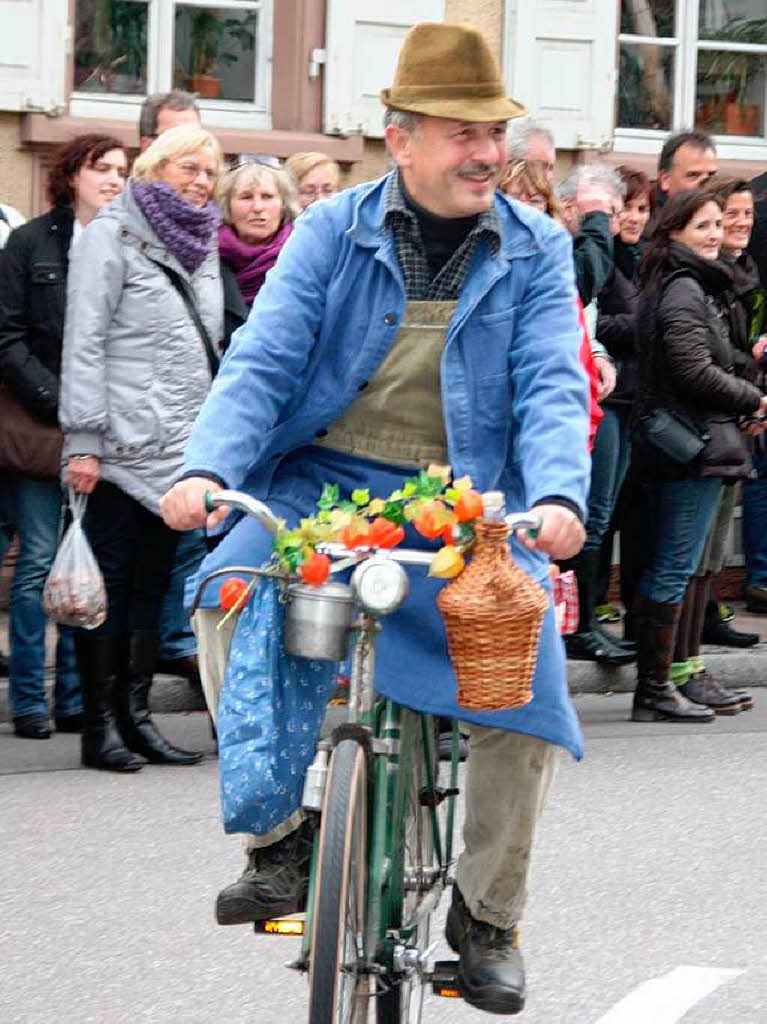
(422, 318)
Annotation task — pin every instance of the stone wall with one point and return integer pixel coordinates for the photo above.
(16, 167)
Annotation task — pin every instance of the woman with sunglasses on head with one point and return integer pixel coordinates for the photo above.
(144, 321)
(87, 173)
(258, 206)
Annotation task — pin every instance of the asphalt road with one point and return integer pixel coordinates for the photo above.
(648, 903)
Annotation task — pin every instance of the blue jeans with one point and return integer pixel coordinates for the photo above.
(609, 464)
(176, 637)
(681, 514)
(37, 512)
(755, 523)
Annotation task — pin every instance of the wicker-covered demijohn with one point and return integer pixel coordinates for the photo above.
(493, 615)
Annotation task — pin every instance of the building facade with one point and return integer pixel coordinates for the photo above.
(609, 77)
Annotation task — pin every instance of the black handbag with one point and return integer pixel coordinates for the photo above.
(674, 435)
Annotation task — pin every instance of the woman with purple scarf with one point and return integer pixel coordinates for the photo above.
(143, 328)
(259, 205)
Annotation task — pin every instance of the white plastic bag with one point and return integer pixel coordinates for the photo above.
(74, 593)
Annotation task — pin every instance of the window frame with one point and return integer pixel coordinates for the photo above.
(687, 44)
(234, 114)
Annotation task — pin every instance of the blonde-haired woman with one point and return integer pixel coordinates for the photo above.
(259, 206)
(527, 181)
(143, 323)
(316, 176)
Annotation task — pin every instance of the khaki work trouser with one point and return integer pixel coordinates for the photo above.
(508, 776)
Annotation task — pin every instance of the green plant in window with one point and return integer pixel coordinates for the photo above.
(215, 41)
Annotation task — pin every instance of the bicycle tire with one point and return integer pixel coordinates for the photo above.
(337, 994)
(403, 1002)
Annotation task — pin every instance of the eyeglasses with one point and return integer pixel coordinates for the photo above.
(312, 192)
(191, 170)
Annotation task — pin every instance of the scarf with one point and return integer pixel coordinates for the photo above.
(250, 263)
(186, 230)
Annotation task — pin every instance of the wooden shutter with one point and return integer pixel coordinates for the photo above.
(562, 65)
(34, 37)
(362, 43)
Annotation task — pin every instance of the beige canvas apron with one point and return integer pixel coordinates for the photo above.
(398, 418)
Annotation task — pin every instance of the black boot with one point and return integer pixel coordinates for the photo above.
(590, 643)
(704, 689)
(491, 974)
(132, 705)
(656, 698)
(100, 744)
(274, 883)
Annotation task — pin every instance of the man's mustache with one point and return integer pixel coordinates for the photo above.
(475, 167)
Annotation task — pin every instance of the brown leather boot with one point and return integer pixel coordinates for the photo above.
(656, 698)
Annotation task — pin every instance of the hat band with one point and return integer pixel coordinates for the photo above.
(480, 90)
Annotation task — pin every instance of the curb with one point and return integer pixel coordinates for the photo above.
(732, 668)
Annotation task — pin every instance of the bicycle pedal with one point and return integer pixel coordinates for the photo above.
(280, 926)
(444, 979)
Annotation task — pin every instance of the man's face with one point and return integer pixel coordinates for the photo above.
(690, 169)
(450, 168)
(169, 118)
(540, 149)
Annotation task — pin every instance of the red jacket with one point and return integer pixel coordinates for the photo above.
(587, 360)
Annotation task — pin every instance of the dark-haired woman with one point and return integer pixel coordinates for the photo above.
(86, 175)
(688, 398)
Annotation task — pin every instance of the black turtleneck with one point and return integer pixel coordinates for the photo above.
(441, 236)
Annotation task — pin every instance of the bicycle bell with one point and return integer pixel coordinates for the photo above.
(317, 620)
(380, 585)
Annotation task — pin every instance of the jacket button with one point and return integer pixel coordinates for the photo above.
(390, 319)
(321, 433)
(119, 449)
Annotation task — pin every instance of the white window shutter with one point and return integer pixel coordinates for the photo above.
(362, 44)
(562, 56)
(34, 40)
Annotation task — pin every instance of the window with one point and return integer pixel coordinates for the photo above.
(219, 49)
(701, 62)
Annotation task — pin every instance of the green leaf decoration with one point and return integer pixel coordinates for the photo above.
(393, 512)
(329, 496)
(361, 497)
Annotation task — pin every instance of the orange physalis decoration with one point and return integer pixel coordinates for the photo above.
(468, 506)
(384, 533)
(355, 535)
(232, 592)
(315, 569)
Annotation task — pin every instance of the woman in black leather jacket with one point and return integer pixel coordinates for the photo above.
(87, 174)
(687, 391)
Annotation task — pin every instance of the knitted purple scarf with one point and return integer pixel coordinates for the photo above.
(251, 262)
(185, 230)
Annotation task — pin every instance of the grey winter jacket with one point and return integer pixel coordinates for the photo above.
(134, 371)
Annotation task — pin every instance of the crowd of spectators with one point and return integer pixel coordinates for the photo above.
(117, 304)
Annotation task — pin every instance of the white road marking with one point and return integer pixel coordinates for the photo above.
(667, 999)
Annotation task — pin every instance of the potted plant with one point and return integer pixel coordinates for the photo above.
(215, 42)
(727, 74)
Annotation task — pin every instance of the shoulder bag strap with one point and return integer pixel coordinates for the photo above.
(187, 298)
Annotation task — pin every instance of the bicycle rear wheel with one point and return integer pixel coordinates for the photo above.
(403, 1002)
(339, 990)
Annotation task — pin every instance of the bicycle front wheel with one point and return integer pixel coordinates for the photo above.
(339, 987)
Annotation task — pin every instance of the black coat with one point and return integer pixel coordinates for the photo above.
(33, 295)
(592, 255)
(757, 246)
(235, 307)
(616, 322)
(686, 365)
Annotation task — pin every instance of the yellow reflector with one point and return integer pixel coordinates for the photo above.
(447, 993)
(283, 926)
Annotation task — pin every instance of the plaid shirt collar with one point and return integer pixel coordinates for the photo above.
(403, 223)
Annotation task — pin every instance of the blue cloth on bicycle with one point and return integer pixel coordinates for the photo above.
(269, 714)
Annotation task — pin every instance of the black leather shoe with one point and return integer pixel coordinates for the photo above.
(4, 666)
(666, 702)
(720, 633)
(70, 723)
(593, 646)
(704, 689)
(617, 641)
(32, 727)
(274, 883)
(491, 974)
(756, 598)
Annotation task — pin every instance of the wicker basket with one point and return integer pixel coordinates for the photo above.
(493, 614)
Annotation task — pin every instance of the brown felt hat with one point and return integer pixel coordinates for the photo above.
(449, 71)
